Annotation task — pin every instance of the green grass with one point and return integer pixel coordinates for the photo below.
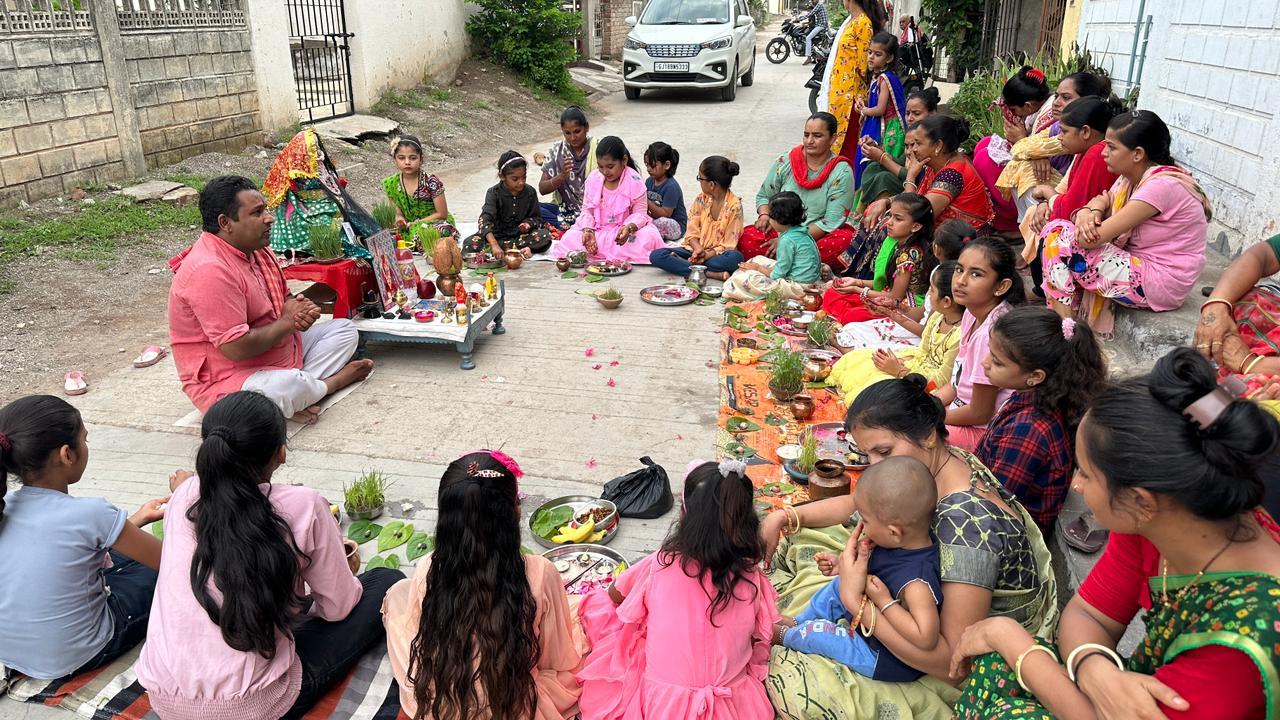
(285, 134)
(196, 181)
(440, 94)
(482, 105)
(8, 287)
(92, 233)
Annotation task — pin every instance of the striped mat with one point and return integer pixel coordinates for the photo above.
(112, 692)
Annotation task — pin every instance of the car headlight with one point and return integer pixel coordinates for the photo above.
(633, 44)
(718, 43)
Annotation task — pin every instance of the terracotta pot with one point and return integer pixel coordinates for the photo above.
(802, 407)
(812, 300)
(447, 283)
(610, 304)
(828, 479)
(514, 259)
(563, 264)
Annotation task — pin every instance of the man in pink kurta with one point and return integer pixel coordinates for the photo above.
(232, 323)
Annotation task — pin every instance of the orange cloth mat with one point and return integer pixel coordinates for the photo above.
(751, 384)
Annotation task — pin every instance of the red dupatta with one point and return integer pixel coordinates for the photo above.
(800, 169)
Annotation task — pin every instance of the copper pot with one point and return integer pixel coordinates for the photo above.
(812, 300)
(447, 283)
(563, 264)
(828, 479)
(802, 407)
(513, 259)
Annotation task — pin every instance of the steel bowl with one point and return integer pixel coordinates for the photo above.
(579, 502)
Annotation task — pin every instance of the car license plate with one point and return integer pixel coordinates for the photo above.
(671, 67)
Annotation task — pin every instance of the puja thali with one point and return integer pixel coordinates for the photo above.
(668, 295)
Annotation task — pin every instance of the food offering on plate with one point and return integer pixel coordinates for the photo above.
(586, 567)
(609, 267)
(574, 519)
(745, 355)
(484, 260)
(669, 295)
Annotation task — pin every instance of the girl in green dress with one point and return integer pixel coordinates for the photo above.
(417, 196)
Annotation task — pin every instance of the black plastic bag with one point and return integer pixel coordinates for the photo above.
(644, 493)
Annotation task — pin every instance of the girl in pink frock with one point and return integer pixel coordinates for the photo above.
(614, 223)
(685, 632)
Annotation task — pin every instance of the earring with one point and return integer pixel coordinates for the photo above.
(1031, 383)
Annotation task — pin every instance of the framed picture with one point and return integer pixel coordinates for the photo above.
(383, 247)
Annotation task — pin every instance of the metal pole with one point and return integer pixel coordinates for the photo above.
(1133, 53)
(1146, 38)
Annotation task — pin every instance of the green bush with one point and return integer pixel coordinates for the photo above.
(973, 99)
(531, 37)
(956, 27)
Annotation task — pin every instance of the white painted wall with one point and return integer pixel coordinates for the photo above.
(1212, 72)
(398, 43)
(272, 64)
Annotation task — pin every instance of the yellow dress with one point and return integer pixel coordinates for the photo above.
(848, 74)
(856, 371)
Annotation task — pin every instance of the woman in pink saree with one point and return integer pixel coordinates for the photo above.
(614, 223)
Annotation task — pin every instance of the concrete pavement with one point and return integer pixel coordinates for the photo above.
(535, 392)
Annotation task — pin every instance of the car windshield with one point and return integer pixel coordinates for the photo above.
(686, 12)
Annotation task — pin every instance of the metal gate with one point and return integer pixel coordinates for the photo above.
(1051, 15)
(321, 49)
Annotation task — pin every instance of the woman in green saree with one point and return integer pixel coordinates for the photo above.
(994, 562)
(1191, 547)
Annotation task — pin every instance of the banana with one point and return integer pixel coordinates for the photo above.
(575, 535)
(597, 537)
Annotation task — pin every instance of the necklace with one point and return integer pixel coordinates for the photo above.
(1164, 575)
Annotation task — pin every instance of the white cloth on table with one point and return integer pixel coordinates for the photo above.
(326, 349)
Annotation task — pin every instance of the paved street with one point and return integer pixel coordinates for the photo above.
(535, 392)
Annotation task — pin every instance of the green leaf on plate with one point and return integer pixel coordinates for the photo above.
(420, 544)
(569, 274)
(546, 521)
(157, 529)
(394, 535)
(383, 561)
(775, 420)
(740, 425)
(595, 278)
(736, 310)
(362, 531)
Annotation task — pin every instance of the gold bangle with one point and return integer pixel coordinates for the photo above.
(1230, 306)
(1071, 659)
(861, 608)
(1017, 666)
(875, 617)
(1249, 368)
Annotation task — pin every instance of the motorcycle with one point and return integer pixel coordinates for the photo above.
(815, 79)
(794, 31)
(915, 62)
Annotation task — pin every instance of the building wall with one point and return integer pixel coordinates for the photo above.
(401, 43)
(1071, 24)
(614, 26)
(194, 91)
(57, 128)
(1212, 72)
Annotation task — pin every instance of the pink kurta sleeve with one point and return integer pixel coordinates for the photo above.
(639, 200)
(334, 590)
(591, 193)
(217, 302)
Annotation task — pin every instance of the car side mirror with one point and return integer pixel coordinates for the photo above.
(631, 20)
(743, 21)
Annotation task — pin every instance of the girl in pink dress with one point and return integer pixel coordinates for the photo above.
(614, 223)
(685, 632)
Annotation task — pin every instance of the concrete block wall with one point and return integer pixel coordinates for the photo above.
(57, 128)
(614, 28)
(194, 91)
(1212, 73)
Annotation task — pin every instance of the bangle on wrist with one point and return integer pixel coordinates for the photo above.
(1074, 660)
(888, 605)
(1017, 666)
(875, 616)
(1215, 300)
(1247, 366)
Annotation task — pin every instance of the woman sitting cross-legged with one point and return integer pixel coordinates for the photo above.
(232, 634)
(482, 630)
(715, 222)
(824, 182)
(1140, 244)
(1170, 464)
(994, 563)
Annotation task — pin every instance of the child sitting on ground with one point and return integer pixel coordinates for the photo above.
(66, 609)
(888, 575)
(417, 195)
(666, 199)
(902, 266)
(688, 625)
(614, 223)
(511, 218)
(798, 262)
(715, 222)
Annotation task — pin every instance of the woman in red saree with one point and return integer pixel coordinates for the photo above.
(824, 182)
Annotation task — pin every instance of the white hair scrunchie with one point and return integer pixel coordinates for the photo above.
(730, 466)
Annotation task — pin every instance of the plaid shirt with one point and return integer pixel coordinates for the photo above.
(819, 16)
(1030, 452)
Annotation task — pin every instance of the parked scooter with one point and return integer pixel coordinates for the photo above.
(815, 78)
(794, 31)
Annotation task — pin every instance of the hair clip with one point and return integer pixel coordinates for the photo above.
(1068, 328)
(1036, 74)
(730, 466)
(1206, 411)
(517, 158)
(473, 469)
(506, 461)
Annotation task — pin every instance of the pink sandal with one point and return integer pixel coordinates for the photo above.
(149, 356)
(74, 383)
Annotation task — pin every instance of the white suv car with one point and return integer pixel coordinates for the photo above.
(690, 43)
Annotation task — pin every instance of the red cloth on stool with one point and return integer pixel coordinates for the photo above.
(347, 278)
(752, 244)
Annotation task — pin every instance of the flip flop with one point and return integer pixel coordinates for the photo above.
(74, 384)
(1084, 536)
(149, 356)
